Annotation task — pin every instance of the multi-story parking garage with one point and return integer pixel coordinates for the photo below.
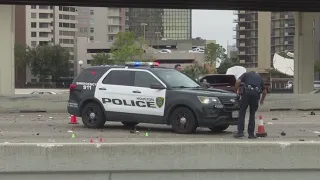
(303, 40)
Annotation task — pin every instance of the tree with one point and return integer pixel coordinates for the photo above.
(101, 59)
(195, 70)
(125, 48)
(20, 63)
(60, 62)
(225, 65)
(48, 61)
(214, 52)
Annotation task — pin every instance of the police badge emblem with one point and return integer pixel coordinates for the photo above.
(159, 101)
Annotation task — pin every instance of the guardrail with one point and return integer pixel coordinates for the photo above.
(170, 160)
(58, 103)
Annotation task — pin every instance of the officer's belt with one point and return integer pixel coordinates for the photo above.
(252, 88)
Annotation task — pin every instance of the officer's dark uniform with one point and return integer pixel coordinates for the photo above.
(250, 94)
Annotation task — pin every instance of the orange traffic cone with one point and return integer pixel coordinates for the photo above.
(73, 120)
(91, 141)
(261, 131)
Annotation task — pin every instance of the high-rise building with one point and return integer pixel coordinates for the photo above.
(154, 24)
(261, 34)
(100, 24)
(39, 24)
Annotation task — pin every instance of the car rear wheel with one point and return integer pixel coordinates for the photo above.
(130, 124)
(93, 116)
(183, 121)
(219, 128)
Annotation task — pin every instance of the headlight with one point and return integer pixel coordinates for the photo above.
(209, 100)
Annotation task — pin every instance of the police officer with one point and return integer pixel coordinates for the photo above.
(178, 67)
(251, 86)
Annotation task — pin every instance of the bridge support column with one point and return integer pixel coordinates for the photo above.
(304, 52)
(7, 31)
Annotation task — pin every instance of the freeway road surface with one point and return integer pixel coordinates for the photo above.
(33, 128)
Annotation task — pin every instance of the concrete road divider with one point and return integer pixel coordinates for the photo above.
(172, 160)
(58, 103)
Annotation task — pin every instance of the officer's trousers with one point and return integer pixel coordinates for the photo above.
(249, 98)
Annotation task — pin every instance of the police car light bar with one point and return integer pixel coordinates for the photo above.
(137, 64)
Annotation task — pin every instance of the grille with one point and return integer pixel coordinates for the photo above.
(226, 100)
(227, 103)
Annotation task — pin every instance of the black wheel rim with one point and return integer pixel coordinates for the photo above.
(182, 126)
(89, 111)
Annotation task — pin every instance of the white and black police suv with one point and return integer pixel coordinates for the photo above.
(135, 94)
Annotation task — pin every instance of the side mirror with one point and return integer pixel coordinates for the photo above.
(157, 86)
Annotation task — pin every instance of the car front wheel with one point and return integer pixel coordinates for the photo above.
(183, 121)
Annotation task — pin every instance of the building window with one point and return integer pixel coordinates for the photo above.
(33, 7)
(33, 43)
(33, 15)
(92, 30)
(33, 34)
(91, 12)
(33, 24)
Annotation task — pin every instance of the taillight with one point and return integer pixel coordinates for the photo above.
(72, 86)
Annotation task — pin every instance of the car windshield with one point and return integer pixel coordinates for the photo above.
(176, 79)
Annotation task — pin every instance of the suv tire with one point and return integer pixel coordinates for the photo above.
(183, 121)
(219, 128)
(130, 124)
(97, 119)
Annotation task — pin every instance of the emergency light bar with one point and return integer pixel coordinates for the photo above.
(137, 64)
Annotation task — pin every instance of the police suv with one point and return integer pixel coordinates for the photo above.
(144, 93)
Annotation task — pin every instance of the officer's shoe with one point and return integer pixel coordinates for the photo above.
(238, 135)
(252, 136)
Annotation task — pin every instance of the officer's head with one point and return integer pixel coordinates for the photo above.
(178, 67)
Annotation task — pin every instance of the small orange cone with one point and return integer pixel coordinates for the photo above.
(73, 120)
(91, 140)
(101, 140)
(261, 131)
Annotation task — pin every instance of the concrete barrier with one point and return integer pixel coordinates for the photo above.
(58, 103)
(163, 161)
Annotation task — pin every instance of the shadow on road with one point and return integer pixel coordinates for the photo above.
(159, 129)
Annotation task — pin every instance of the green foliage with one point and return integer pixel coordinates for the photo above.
(125, 48)
(20, 55)
(194, 70)
(101, 59)
(214, 52)
(225, 65)
(48, 60)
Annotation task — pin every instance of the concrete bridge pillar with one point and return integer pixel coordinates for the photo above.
(304, 52)
(7, 31)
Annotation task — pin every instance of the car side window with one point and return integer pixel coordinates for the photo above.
(144, 79)
(122, 78)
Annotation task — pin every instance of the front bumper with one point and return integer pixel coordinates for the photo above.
(209, 115)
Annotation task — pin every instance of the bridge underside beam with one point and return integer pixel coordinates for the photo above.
(7, 22)
(261, 5)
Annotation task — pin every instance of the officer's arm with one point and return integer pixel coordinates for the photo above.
(264, 91)
(239, 81)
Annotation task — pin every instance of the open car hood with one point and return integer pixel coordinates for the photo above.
(219, 79)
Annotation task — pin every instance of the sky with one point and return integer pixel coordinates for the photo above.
(214, 25)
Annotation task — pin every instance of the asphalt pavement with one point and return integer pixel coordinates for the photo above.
(50, 127)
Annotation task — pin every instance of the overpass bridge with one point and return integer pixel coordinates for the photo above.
(303, 47)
